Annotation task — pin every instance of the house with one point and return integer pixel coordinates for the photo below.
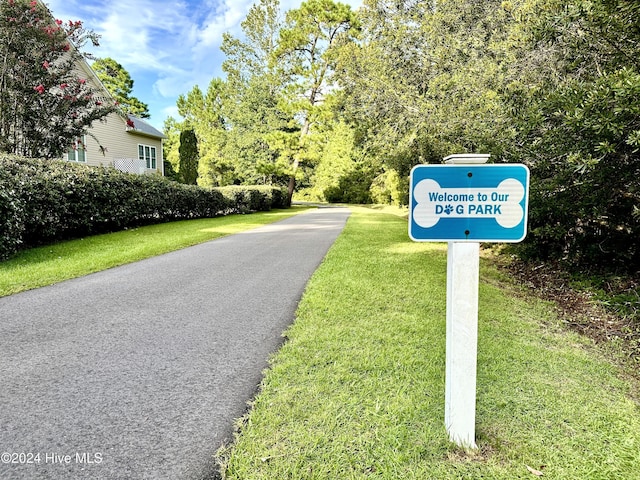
(122, 141)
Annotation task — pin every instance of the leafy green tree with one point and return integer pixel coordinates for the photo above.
(307, 51)
(425, 78)
(578, 119)
(255, 87)
(188, 157)
(342, 173)
(255, 120)
(253, 127)
(170, 147)
(118, 81)
(253, 55)
(204, 113)
(44, 104)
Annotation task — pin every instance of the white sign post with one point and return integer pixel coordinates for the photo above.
(465, 203)
(463, 273)
(463, 266)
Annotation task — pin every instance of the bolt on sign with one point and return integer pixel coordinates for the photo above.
(473, 203)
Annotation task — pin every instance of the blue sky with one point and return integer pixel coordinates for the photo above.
(167, 46)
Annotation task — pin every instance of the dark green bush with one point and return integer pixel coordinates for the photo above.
(11, 216)
(353, 187)
(44, 200)
(277, 196)
(246, 199)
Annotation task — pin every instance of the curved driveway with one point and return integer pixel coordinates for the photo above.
(138, 372)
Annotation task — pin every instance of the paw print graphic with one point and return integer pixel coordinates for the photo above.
(448, 209)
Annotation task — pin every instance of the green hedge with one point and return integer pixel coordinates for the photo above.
(257, 198)
(43, 201)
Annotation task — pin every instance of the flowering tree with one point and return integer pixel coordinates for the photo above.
(45, 104)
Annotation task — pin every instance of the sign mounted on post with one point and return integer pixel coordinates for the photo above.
(465, 203)
(469, 203)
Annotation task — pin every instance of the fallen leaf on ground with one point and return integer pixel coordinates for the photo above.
(537, 473)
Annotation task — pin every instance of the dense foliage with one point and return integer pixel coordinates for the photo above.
(347, 104)
(579, 130)
(45, 105)
(46, 200)
(119, 83)
(259, 124)
(551, 84)
(188, 152)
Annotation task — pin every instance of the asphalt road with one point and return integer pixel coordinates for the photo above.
(139, 372)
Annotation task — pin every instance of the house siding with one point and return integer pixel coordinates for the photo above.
(118, 143)
(112, 133)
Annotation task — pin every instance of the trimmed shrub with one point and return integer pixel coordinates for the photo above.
(47, 200)
(245, 199)
(279, 196)
(11, 216)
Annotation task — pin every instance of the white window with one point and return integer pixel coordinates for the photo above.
(78, 151)
(148, 154)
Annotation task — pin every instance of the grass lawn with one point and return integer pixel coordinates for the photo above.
(357, 391)
(49, 264)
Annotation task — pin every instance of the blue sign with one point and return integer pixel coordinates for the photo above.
(472, 203)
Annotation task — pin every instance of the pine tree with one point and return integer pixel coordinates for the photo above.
(118, 81)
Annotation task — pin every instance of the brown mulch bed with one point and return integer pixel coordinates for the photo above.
(578, 308)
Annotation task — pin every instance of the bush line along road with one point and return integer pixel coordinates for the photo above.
(44, 201)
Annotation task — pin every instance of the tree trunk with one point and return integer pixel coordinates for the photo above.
(292, 182)
(306, 127)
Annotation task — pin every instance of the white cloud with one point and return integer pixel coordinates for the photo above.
(166, 46)
(171, 111)
(225, 17)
